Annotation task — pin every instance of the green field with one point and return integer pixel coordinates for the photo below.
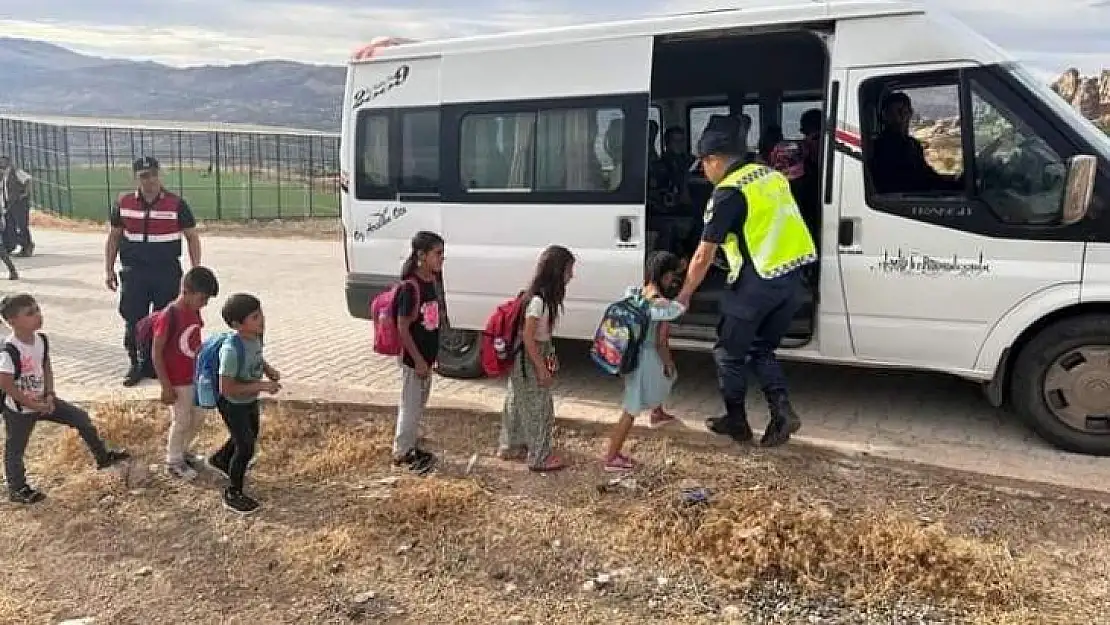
(230, 196)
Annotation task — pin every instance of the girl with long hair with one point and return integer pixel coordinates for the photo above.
(528, 417)
(418, 310)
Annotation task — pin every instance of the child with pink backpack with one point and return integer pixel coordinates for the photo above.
(406, 325)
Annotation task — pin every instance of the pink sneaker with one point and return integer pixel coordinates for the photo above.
(619, 463)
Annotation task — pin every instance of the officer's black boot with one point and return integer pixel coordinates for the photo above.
(134, 372)
(734, 423)
(784, 421)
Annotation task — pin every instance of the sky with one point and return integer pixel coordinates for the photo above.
(1049, 35)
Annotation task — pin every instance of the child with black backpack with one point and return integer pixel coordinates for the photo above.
(27, 385)
(648, 386)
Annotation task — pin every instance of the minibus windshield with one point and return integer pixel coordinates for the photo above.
(1098, 139)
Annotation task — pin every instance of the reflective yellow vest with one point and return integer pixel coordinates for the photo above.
(777, 238)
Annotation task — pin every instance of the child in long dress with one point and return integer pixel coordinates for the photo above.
(528, 418)
(648, 387)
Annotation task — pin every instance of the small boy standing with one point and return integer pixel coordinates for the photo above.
(241, 370)
(176, 332)
(27, 382)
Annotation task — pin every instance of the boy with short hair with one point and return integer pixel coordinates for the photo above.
(27, 382)
(176, 330)
(240, 385)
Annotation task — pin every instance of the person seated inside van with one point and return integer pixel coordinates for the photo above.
(676, 214)
(897, 160)
(807, 188)
(779, 154)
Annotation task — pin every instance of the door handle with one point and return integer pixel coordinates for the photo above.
(846, 237)
(626, 231)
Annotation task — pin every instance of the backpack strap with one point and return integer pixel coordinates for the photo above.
(415, 294)
(16, 357)
(45, 350)
(240, 356)
(171, 320)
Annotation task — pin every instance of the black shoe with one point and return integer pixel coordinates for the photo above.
(218, 466)
(134, 376)
(27, 251)
(784, 422)
(113, 457)
(418, 461)
(734, 424)
(146, 368)
(236, 501)
(13, 275)
(26, 496)
(740, 431)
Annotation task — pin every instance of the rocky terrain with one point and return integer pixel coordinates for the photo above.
(937, 126)
(1090, 95)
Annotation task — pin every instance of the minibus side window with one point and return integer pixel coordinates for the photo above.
(553, 150)
(372, 174)
(419, 152)
(948, 138)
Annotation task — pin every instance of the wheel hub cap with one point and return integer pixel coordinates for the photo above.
(1077, 388)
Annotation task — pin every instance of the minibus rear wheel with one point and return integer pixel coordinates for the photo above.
(1061, 384)
(458, 354)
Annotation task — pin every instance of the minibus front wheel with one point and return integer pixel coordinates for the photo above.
(459, 355)
(1061, 384)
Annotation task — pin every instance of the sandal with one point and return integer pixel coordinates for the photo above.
(660, 418)
(552, 464)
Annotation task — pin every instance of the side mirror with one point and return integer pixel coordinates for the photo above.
(1079, 186)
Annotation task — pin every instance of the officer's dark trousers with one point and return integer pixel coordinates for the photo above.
(142, 290)
(17, 226)
(753, 321)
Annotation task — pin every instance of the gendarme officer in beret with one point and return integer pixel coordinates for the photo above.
(147, 226)
(753, 219)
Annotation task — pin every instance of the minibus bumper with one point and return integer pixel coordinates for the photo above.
(362, 288)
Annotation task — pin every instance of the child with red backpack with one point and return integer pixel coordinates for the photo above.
(175, 340)
(528, 417)
(407, 322)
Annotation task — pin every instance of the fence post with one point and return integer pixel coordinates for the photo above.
(311, 178)
(108, 165)
(277, 148)
(215, 136)
(180, 168)
(251, 147)
(68, 204)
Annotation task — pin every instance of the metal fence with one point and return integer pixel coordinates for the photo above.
(224, 171)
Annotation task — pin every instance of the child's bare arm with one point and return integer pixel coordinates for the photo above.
(270, 372)
(663, 343)
(531, 347)
(404, 324)
(157, 350)
(230, 387)
(47, 377)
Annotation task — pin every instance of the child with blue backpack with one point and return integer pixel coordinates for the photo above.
(230, 371)
(649, 385)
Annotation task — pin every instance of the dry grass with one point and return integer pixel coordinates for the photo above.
(323, 229)
(751, 536)
(500, 542)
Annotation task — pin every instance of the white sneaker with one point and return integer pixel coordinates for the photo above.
(181, 471)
